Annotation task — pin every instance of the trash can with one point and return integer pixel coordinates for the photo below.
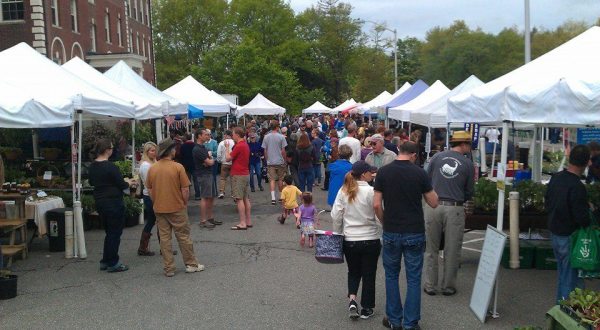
(55, 223)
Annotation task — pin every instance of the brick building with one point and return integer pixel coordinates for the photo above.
(101, 32)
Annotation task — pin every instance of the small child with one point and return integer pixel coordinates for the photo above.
(289, 196)
(306, 218)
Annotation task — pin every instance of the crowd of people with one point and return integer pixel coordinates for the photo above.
(376, 187)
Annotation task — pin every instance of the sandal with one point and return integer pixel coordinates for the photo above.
(248, 226)
(117, 268)
(237, 227)
(206, 224)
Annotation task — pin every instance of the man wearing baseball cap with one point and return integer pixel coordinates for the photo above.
(452, 175)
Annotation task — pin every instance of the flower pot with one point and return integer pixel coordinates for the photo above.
(131, 220)
(8, 287)
(13, 154)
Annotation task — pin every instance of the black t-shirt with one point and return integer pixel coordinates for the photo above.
(200, 154)
(402, 184)
(107, 180)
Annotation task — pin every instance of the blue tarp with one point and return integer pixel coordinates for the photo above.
(415, 90)
(194, 113)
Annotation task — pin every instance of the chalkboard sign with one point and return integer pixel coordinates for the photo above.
(489, 262)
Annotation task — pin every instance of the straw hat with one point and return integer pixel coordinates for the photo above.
(461, 136)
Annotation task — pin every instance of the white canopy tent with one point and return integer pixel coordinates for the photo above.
(144, 109)
(194, 93)
(345, 105)
(123, 75)
(560, 87)
(404, 111)
(317, 107)
(25, 69)
(434, 114)
(379, 101)
(260, 106)
(21, 109)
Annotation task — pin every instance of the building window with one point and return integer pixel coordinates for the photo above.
(135, 9)
(128, 5)
(144, 46)
(131, 43)
(149, 52)
(107, 27)
(12, 10)
(54, 11)
(147, 10)
(137, 43)
(119, 35)
(74, 23)
(93, 36)
(142, 5)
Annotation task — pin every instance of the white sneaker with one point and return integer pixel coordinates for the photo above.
(193, 269)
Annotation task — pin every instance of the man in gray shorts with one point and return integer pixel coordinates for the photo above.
(203, 162)
(274, 145)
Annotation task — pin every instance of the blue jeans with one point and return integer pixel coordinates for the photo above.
(149, 215)
(255, 169)
(412, 246)
(307, 179)
(317, 169)
(567, 276)
(112, 213)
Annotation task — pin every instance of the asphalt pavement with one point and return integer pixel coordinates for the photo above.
(255, 279)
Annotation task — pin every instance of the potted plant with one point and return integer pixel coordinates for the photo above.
(532, 213)
(90, 216)
(124, 167)
(51, 153)
(8, 284)
(133, 209)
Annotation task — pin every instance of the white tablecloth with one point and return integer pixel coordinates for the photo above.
(36, 210)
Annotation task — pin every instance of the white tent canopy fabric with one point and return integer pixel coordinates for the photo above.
(345, 105)
(122, 74)
(194, 93)
(143, 108)
(260, 106)
(25, 69)
(404, 111)
(560, 87)
(435, 114)
(402, 89)
(317, 107)
(379, 101)
(21, 109)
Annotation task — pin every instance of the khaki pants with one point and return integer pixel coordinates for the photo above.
(178, 223)
(225, 173)
(449, 221)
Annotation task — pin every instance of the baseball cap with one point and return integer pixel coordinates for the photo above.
(361, 167)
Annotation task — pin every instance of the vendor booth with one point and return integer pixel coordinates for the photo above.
(317, 108)
(403, 112)
(193, 92)
(260, 106)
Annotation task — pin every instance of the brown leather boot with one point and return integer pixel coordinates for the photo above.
(144, 241)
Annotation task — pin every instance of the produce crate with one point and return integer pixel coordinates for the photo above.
(526, 255)
(544, 255)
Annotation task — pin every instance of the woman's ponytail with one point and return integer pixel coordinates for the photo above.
(350, 187)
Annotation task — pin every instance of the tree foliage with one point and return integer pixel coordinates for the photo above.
(248, 46)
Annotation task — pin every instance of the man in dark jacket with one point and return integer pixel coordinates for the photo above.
(568, 210)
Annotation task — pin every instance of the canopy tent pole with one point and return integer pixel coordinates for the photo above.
(541, 159)
(158, 130)
(77, 209)
(448, 136)
(227, 122)
(34, 139)
(428, 144)
(503, 160)
(491, 173)
(133, 147)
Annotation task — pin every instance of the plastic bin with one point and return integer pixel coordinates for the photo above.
(55, 222)
(544, 255)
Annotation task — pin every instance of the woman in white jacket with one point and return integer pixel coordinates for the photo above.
(353, 216)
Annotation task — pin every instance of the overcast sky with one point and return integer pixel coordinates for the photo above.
(415, 17)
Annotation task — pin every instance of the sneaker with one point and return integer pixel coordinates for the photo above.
(103, 266)
(261, 188)
(353, 310)
(169, 274)
(206, 224)
(215, 222)
(430, 292)
(117, 268)
(252, 190)
(194, 269)
(365, 313)
(449, 291)
(221, 195)
(273, 202)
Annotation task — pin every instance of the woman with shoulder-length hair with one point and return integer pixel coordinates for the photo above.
(354, 216)
(337, 171)
(108, 185)
(148, 158)
(306, 157)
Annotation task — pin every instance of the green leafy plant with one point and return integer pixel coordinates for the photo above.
(593, 193)
(486, 195)
(531, 195)
(124, 167)
(133, 207)
(12, 174)
(552, 160)
(88, 203)
(92, 133)
(144, 132)
(5, 273)
(585, 304)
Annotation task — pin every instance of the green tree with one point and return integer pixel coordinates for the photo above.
(372, 73)
(409, 61)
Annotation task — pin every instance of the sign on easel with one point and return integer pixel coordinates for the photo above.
(487, 271)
